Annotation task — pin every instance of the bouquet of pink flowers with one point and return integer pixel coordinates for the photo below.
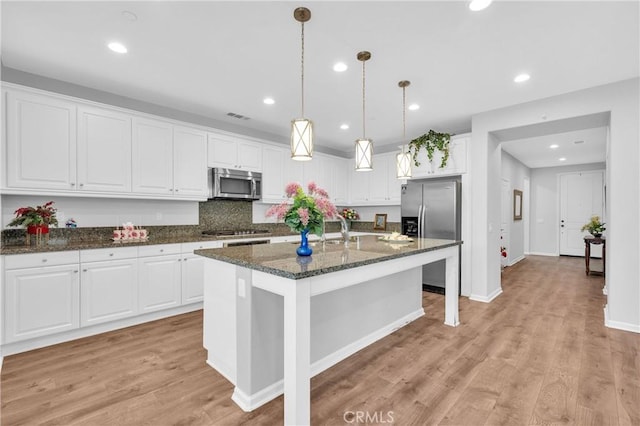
(308, 211)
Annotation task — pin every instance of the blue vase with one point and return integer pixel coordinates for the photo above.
(304, 249)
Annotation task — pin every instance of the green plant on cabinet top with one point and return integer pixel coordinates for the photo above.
(430, 142)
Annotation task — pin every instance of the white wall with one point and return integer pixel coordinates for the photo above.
(622, 100)
(91, 212)
(515, 172)
(545, 210)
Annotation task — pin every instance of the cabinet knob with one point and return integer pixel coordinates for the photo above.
(84, 270)
(72, 184)
(75, 271)
(161, 250)
(111, 254)
(177, 190)
(170, 189)
(82, 184)
(44, 260)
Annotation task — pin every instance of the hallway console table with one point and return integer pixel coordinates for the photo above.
(273, 320)
(591, 240)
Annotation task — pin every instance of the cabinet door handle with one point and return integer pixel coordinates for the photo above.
(75, 271)
(44, 260)
(177, 190)
(72, 184)
(111, 254)
(161, 250)
(82, 184)
(84, 270)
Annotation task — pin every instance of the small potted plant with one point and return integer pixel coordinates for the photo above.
(594, 226)
(37, 219)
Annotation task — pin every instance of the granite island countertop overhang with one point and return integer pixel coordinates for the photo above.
(280, 258)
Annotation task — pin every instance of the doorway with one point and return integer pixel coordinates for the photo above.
(581, 196)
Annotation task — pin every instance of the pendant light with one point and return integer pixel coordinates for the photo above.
(403, 159)
(302, 128)
(364, 146)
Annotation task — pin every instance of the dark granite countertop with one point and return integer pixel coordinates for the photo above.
(60, 244)
(281, 259)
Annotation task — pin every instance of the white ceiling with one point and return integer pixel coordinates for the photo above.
(536, 152)
(210, 58)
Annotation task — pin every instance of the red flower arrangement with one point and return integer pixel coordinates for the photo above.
(35, 216)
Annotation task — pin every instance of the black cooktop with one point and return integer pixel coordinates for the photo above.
(233, 232)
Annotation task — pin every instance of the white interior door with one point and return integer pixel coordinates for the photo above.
(506, 220)
(581, 196)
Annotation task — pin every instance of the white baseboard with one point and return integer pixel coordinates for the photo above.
(486, 299)
(54, 339)
(536, 253)
(516, 260)
(251, 402)
(624, 326)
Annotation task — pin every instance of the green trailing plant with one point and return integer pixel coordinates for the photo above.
(430, 142)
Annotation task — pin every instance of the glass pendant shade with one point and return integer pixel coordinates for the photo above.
(301, 139)
(403, 165)
(364, 155)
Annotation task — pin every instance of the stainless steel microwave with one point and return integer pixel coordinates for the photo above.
(233, 184)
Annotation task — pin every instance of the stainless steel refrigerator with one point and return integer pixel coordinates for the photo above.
(431, 208)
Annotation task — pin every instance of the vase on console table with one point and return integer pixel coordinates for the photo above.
(304, 249)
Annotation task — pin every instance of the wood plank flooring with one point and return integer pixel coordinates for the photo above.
(538, 355)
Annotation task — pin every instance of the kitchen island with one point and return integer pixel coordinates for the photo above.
(273, 320)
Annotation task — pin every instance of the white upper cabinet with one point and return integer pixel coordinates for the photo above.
(41, 142)
(359, 186)
(273, 174)
(378, 187)
(58, 145)
(456, 164)
(104, 150)
(234, 153)
(152, 157)
(339, 181)
(189, 162)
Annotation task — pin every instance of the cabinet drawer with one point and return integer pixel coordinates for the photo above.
(188, 248)
(36, 260)
(159, 250)
(100, 255)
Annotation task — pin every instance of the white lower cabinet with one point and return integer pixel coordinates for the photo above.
(55, 292)
(41, 301)
(109, 291)
(159, 283)
(159, 277)
(193, 271)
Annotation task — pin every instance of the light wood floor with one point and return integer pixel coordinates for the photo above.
(539, 354)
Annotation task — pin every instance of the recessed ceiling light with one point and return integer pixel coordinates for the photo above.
(477, 5)
(344, 126)
(340, 67)
(413, 107)
(554, 146)
(521, 78)
(269, 101)
(117, 47)
(562, 159)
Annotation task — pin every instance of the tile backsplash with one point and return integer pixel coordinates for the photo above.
(213, 215)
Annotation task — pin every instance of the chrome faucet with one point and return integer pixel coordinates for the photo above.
(344, 230)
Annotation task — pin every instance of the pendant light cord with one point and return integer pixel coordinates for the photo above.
(302, 70)
(364, 133)
(404, 114)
